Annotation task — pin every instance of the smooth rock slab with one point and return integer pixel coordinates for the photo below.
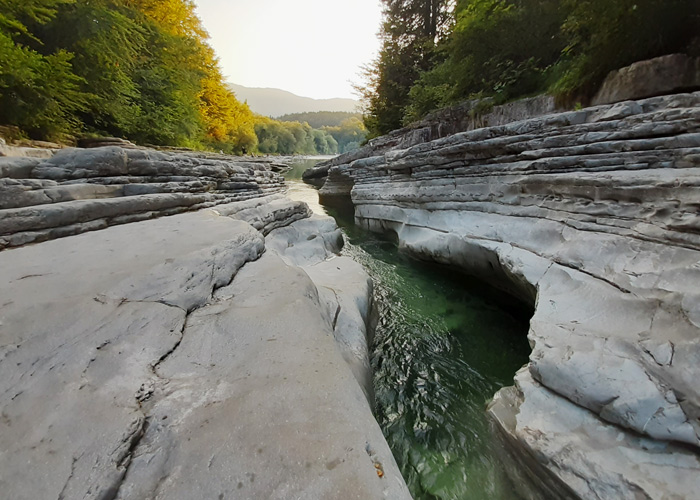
(131, 369)
(260, 404)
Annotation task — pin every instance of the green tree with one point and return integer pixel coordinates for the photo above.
(409, 34)
(106, 42)
(499, 48)
(324, 143)
(603, 35)
(349, 134)
(318, 119)
(140, 69)
(38, 91)
(507, 49)
(288, 138)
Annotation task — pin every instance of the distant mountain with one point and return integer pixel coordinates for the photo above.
(276, 102)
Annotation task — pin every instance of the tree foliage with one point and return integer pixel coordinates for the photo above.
(409, 34)
(38, 92)
(603, 35)
(140, 69)
(292, 138)
(331, 132)
(349, 134)
(318, 119)
(507, 49)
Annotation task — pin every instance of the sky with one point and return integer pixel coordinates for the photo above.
(313, 48)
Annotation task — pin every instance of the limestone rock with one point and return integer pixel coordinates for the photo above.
(175, 358)
(77, 190)
(618, 464)
(662, 75)
(344, 288)
(98, 142)
(591, 216)
(13, 151)
(470, 115)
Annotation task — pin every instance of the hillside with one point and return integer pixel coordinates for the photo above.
(318, 119)
(277, 102)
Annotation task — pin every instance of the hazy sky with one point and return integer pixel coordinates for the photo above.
(313, 48)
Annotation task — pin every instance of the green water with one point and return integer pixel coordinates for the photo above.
(444, 344)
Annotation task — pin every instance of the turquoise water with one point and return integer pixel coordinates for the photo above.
(443, 345)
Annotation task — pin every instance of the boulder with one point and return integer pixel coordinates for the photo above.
(663, 75)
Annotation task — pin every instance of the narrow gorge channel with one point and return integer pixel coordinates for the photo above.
(443, 345)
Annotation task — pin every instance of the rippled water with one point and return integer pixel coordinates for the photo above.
(444, 344)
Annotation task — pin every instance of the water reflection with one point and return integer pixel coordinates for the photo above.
(299, 191)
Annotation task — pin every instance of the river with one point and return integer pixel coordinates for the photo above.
(444, 344)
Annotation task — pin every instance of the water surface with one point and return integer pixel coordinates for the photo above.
(444, 344)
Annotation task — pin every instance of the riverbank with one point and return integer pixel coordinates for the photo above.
(178, 328)
(443, 344)
(589, 216)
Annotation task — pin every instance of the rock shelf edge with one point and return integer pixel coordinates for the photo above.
(215, 353)
(592, 217)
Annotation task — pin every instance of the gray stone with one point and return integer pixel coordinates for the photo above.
(468, 116)
(25, 152)
(17, 167)
(591, 217)
(663, 75)
(78, 190)
(623, 465)
(169, 359)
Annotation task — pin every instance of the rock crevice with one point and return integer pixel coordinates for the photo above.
(592, 216)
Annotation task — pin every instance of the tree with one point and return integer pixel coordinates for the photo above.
(107, 42)
(409, 34)
(349, 134)
(140, 69)
(498, 48)
(39, 93)
(508, 49)
(319, 119)
(603, 36)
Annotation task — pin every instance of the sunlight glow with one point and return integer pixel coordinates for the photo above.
(313, 48)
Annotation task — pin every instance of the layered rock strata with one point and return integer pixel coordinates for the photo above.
(469, 115)
(210, 354)
(592, 217)
(78, 190)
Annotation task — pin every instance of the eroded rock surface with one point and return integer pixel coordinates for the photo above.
(189, 356)
(77, 190)
(469, 115)
(592, 217)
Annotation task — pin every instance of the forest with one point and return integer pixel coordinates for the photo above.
(137, 69)
(435, 53)
(143, 69)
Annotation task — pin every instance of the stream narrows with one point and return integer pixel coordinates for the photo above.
(444, 344)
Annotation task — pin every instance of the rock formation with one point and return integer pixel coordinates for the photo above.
(591, 216)
(78, 190)
(470, 115)
(659, 76)
(216, 353)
